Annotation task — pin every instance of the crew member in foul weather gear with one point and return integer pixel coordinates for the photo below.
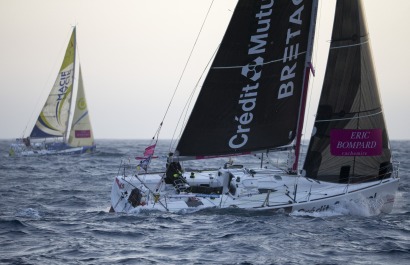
(174, 176)
(174, 171)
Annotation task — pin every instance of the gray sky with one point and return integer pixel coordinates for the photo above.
(133, 52)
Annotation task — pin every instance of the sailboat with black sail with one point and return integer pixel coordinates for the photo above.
(258, 87)
(51, 133)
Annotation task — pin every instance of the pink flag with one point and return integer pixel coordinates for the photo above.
(146, 159)
(149, 151)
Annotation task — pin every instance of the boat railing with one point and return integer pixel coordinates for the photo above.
(125, 167)
(393, 171)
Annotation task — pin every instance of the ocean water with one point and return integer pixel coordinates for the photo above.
(54, 210)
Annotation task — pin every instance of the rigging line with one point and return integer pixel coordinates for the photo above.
(351, 45)
(186, 64)
(359, 117)
(189, 101)
(184, 110)
(156, 135)
(143, 183)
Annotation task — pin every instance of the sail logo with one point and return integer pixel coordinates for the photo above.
(253, 72)
(286, 65)
(81, 104)
(247, 103)
(120, 185)
(344, 142)
(291, 52)
(82, 134)
(64, 84)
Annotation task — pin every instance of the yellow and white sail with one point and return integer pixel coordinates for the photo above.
(53, 118)
(81, 133)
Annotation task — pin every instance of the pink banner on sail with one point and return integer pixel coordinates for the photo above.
(82, 133)
(346, 142)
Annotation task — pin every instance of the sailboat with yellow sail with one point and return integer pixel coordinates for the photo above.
(51, 133)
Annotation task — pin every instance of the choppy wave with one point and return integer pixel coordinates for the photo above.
(54, 210)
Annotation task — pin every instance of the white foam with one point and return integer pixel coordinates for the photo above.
(28, 213)
(359, 207)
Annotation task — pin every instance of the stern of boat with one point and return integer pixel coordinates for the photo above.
(373, 199)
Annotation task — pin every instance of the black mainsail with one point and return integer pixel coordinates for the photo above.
(251, 96)
(350, 141)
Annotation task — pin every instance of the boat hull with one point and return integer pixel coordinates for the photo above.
(266, 191)
(49, 149)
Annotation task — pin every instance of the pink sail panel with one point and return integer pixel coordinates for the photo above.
(347, 142)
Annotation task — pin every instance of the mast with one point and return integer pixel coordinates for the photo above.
(308, 66)
(67, 131)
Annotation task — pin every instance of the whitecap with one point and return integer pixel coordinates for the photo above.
(28, 213)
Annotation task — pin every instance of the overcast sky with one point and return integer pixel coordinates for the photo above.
(133, 52)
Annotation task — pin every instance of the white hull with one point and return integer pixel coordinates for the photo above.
(262, 190)
(42, 149)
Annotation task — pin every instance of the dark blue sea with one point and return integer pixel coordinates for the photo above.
(54, 210)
